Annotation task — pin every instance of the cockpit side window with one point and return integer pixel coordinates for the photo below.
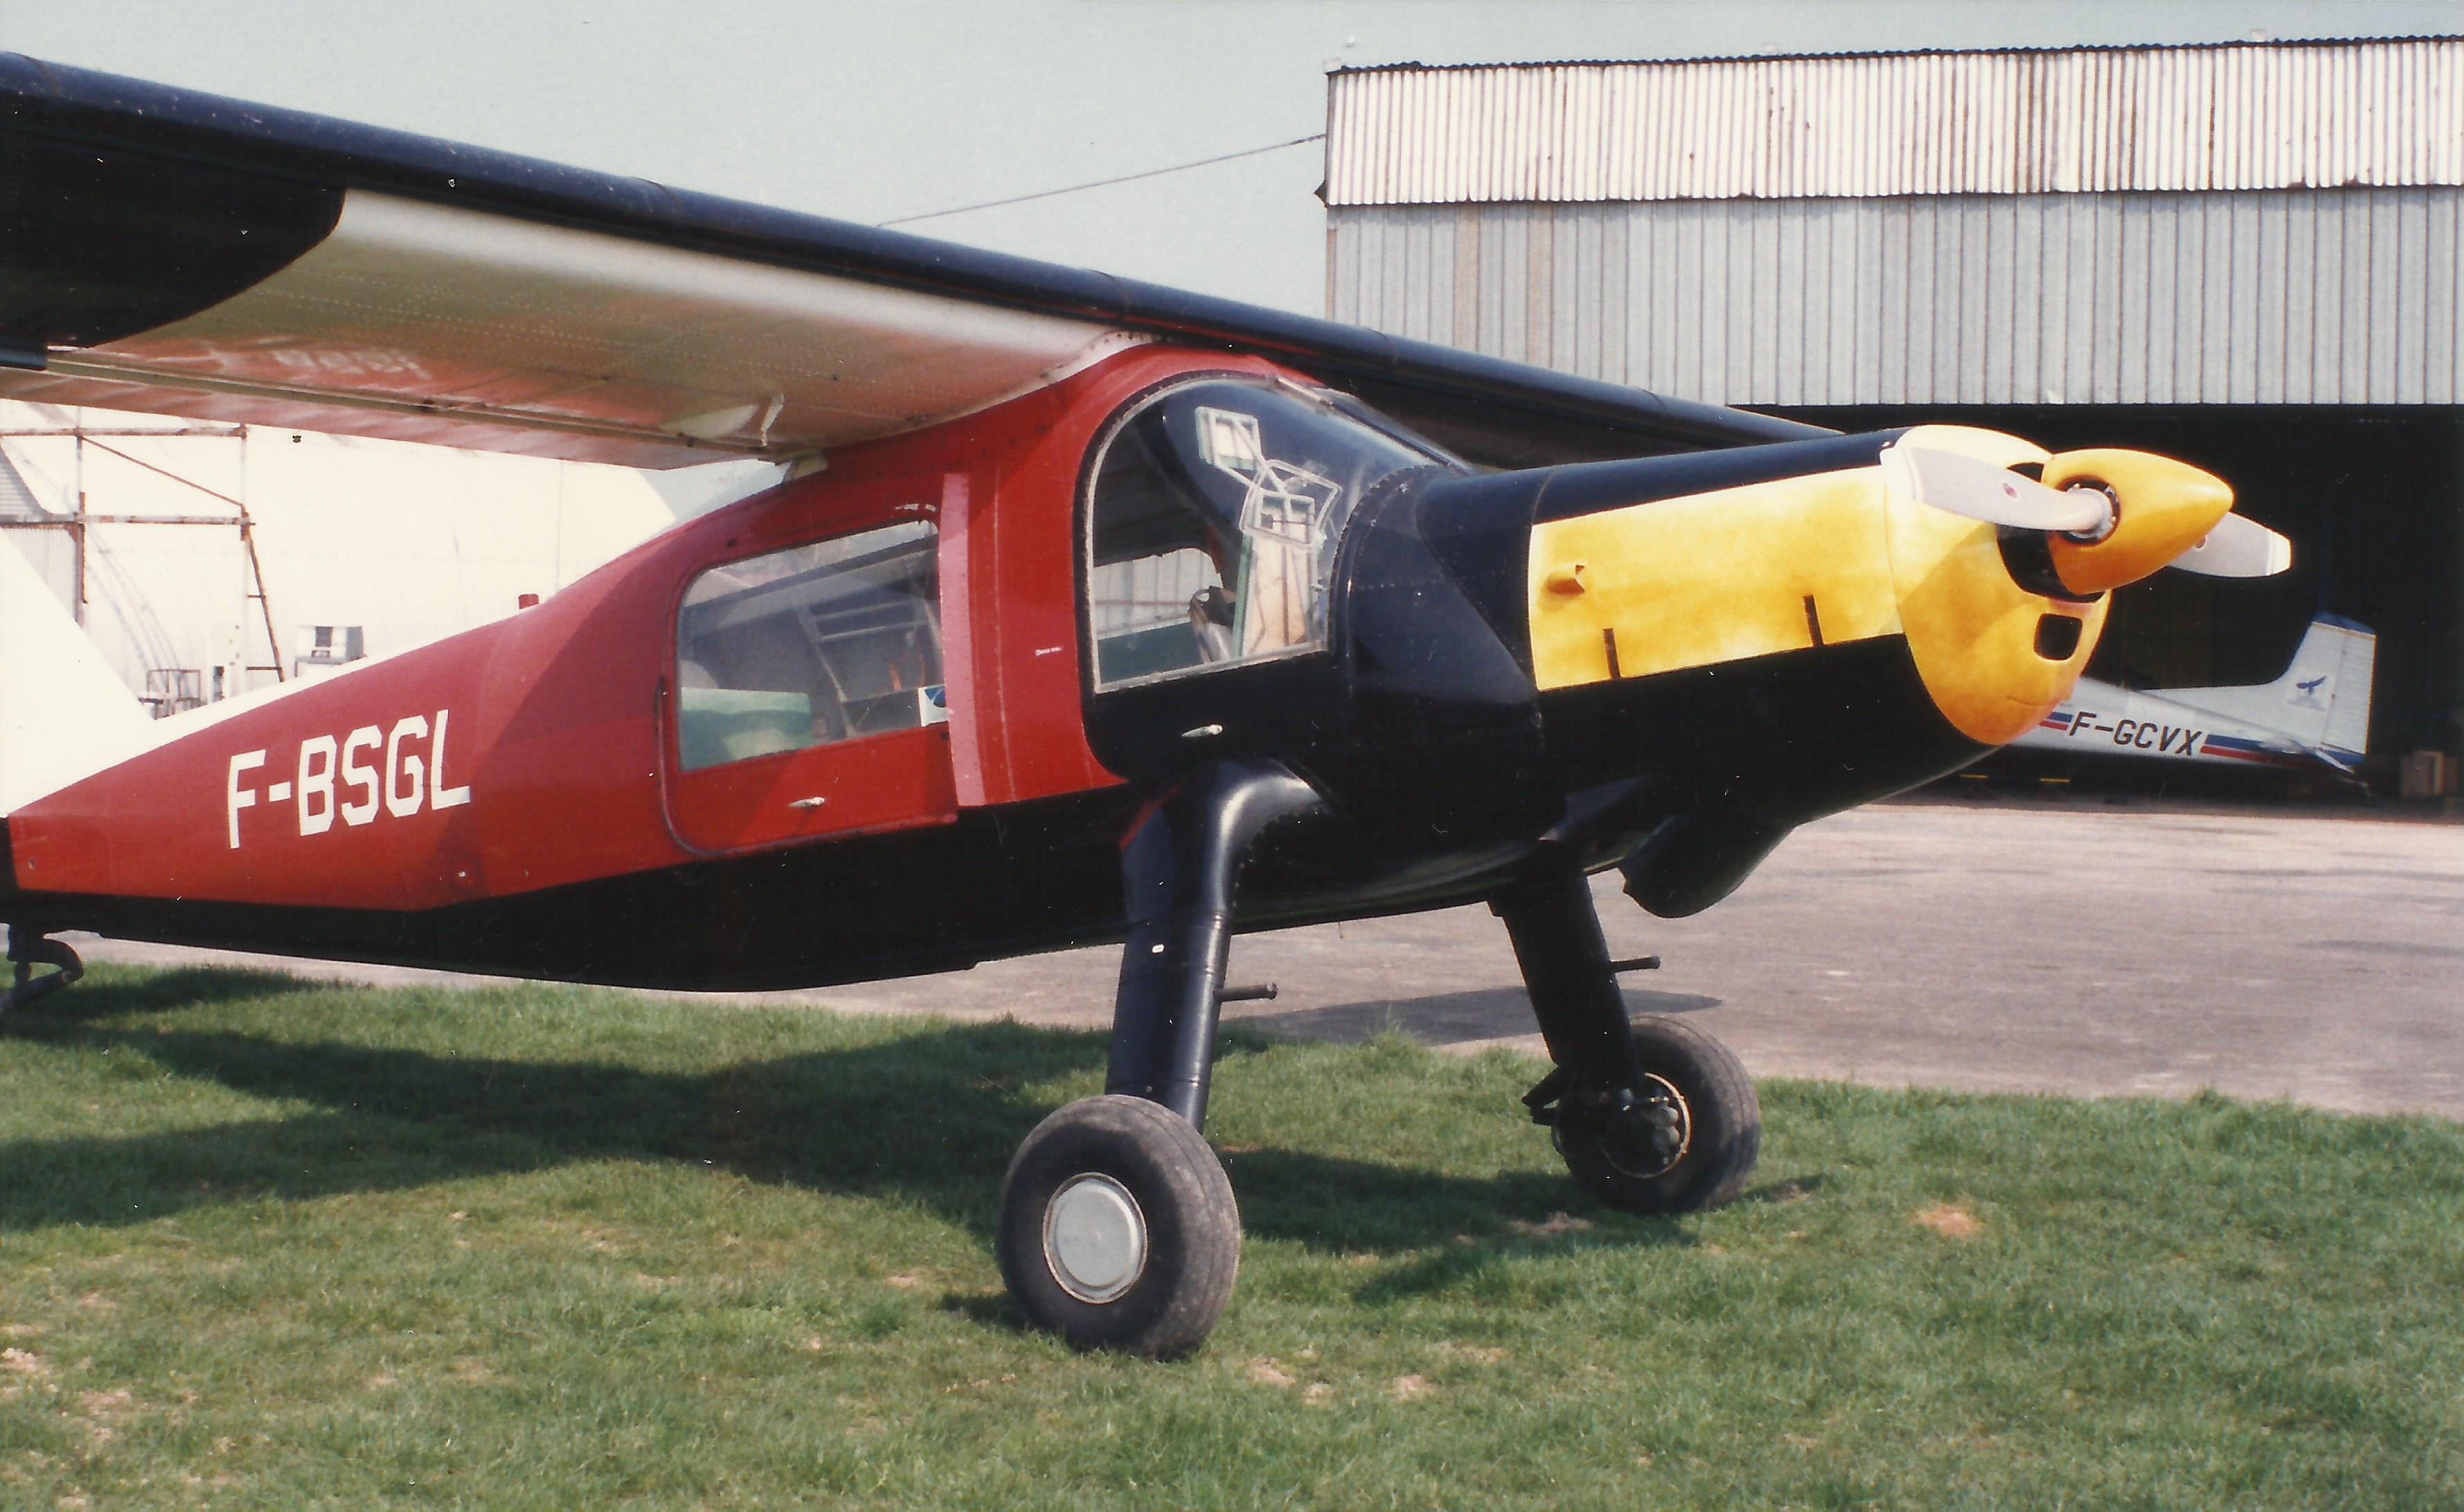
(825, 641)
(1213, 514)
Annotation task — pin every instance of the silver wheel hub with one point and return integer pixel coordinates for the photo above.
(1094, 1238)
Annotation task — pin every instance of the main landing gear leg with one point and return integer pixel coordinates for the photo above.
(1651, 1115)
(28, 949)
(1117, 1225)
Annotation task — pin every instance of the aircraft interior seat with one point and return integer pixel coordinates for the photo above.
(716, 725)
(1211, 616)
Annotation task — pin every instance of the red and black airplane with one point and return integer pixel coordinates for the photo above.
(1092, 611)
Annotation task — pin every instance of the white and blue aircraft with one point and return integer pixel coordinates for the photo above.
(2316, 714)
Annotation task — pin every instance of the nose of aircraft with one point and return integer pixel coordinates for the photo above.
(1989, 555)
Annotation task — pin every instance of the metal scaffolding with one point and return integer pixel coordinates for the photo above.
(81, 518)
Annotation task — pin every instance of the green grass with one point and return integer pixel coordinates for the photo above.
(269, 1246)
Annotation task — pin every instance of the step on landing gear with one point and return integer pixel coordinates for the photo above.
(28, 949)
(1118, 1229)
(1651, 1115)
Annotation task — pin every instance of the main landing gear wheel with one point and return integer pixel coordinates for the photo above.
(1118, 1230)
(1683, 1141)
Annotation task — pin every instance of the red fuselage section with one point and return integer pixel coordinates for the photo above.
(540, 754)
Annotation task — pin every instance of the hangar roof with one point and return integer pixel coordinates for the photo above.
(2238, 116)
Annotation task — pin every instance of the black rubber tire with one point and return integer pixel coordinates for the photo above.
(1192, 1224)
(1723, 1136)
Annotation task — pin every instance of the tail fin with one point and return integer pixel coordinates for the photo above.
(2323, 700)
(64, 713)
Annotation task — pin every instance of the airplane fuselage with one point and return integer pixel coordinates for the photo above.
(2132, 724)
(1674, 660)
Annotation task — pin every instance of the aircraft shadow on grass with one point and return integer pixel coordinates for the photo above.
(928, 1117)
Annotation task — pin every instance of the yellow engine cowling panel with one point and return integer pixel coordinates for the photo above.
(1710, 577)
(1973, 632)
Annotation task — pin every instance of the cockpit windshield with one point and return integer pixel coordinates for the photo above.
(1213, 517)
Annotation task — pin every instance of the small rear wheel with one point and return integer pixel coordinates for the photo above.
(1118, 1230)
(1683, 1141)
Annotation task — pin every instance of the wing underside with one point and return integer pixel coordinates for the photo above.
(431, 322)
(180, 253)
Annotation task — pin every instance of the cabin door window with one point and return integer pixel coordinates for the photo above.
(814, 668)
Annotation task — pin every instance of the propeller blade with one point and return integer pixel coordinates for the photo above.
(1965, 486)
(2238, 548)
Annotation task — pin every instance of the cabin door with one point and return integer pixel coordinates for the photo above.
(809, 697)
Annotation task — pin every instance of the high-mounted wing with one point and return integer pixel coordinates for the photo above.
(184, 253)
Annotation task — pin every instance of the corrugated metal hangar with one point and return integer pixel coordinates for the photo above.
(2246, 256)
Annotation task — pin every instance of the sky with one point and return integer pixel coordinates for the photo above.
(873, 111)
